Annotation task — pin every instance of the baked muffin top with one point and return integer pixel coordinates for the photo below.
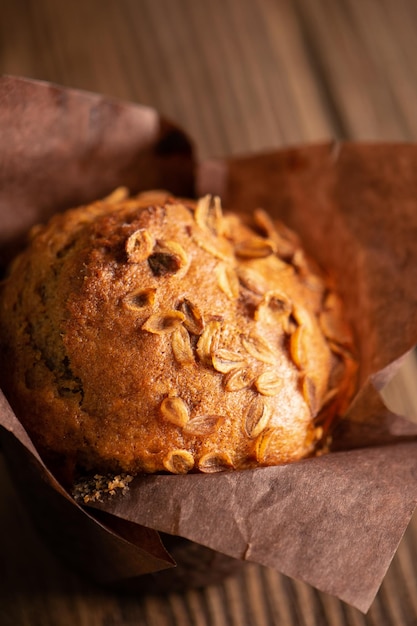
(155, 334)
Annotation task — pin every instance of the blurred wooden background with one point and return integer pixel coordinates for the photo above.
(239, 76)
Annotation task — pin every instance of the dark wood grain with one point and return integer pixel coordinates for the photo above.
(239, 76)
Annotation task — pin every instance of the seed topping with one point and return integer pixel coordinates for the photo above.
(193, 317)
(258, 348)
(217, 462)
(203, 424)
(227, 280)
(268, 383)
(139, 246)
(252, 281)
(274, 308)
(175, 411)
(208, 214)
(257, 417)
(263, 443)
(298, 350)
(237, 379)
(140, 299)
(168, 257)
(225, 360)
(179, 461)
(254, 248)
(181, 346)
(285, 246)
(163, 323)
(208, 341)
(309, 390)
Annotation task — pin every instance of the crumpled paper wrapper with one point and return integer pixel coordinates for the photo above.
(334, 521)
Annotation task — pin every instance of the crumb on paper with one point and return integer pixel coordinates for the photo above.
(93, 489)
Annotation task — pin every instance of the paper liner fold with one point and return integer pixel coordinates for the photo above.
(108, 555)
(354, 206)
(330, 520)
(333, 521)
(62, 147)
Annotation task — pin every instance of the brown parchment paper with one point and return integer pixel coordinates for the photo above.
(333, 521)
(62, 147)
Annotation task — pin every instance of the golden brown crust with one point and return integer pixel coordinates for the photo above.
(157, 334)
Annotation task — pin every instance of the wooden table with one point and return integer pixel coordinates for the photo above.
(239, 76)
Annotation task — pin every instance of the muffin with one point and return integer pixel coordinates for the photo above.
(158, 334)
